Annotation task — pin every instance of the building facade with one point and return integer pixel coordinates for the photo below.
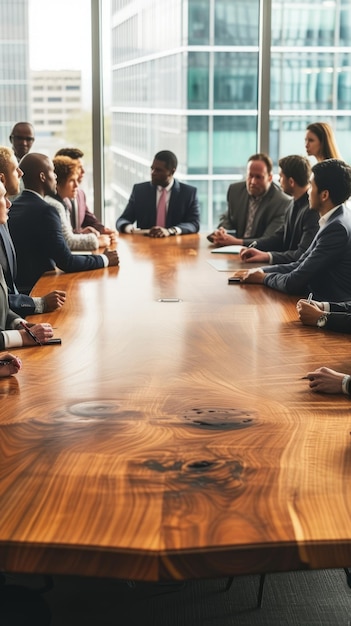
(56, 98)
(185, 78)
(14, 66)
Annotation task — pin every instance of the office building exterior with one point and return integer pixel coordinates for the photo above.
(14, 66)
(56, 98)
(185, 78)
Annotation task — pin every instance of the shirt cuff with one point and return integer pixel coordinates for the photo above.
(326, 306)
(39, 305)
(129, 228)
(12, 339)
(104, 259)
(270, 258)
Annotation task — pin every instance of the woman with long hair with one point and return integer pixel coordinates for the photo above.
(320, 142)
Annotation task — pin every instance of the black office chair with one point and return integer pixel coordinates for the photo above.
(24, 606)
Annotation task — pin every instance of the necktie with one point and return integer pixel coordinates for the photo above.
(253, 206)
(161, 209)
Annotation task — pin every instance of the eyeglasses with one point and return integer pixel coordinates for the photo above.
(19, 138)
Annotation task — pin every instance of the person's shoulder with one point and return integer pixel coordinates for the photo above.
(54, 202)
(184, 186)
(276, 191)
(239, 185)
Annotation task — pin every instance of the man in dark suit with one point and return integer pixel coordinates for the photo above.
(293, 237)
(165, 206)
(35, 229)
(256, 206)
(325, 268)
(10, 175)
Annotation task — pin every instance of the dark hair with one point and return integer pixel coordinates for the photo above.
(72, 153)
(262, 156)
(325, 134)
(334, 176)
(167, 157)
(296, 167)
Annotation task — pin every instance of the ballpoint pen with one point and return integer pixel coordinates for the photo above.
(310, 296)
(27, 329)
(253, 244)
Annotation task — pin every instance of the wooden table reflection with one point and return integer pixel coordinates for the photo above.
(173, 440)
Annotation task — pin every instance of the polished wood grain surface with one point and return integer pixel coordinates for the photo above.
(171, 440)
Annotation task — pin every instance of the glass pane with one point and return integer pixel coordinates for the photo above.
(235, 80)
(234, 139)
(199, 22)
(236, 23)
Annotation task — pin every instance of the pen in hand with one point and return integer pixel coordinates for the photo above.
(27, 329)
(310, 296)
(253, 244)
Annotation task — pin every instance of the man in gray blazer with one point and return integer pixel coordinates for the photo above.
(256, 206)
(324, 270)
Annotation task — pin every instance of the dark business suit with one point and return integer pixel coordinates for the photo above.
(183, 208)
(325, 268)
(269, 216)
(19, 302)
(291, 239)
(36, 232)
(7, 316)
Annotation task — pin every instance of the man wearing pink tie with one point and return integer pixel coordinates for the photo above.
(163, 206)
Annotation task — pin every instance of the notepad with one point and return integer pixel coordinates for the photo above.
(228, 250)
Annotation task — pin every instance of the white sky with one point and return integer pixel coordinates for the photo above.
(60, 38)
(59, 34)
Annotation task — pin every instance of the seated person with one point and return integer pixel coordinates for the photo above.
(293, 237)
(9, 364)
(36, 231)
(325, 268)
(82, 219)
(164, 205)
(66, 171)
(256, 206)
(326, 380)
(329, 315)
(12, 333)
(10, 175)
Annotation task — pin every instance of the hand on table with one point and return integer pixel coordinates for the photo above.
(309, 312)
(10, 364)
(54, 300)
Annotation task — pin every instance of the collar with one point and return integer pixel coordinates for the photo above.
(169, 187)
(326, 217)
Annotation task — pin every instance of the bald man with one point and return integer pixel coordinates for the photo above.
(35, 228)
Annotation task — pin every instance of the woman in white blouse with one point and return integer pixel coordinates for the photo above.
(66, 170)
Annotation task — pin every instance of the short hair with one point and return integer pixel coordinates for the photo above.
(325, 134)
(333, 175)
(296, 167)
(6, 154)
(64, 168)
(72, 153)
(21, 124)
(262, 156)
(167, 157)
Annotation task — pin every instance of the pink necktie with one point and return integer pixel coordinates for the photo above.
(161, 209)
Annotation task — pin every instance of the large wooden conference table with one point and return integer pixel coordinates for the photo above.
(174, 440)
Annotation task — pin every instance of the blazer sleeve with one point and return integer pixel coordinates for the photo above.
(339, 322)
(309, 229)
(21, 304)
(190, 220)
(75, 241)
(86, 216)
(293, 278)
(57, 249)
(129, 215)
